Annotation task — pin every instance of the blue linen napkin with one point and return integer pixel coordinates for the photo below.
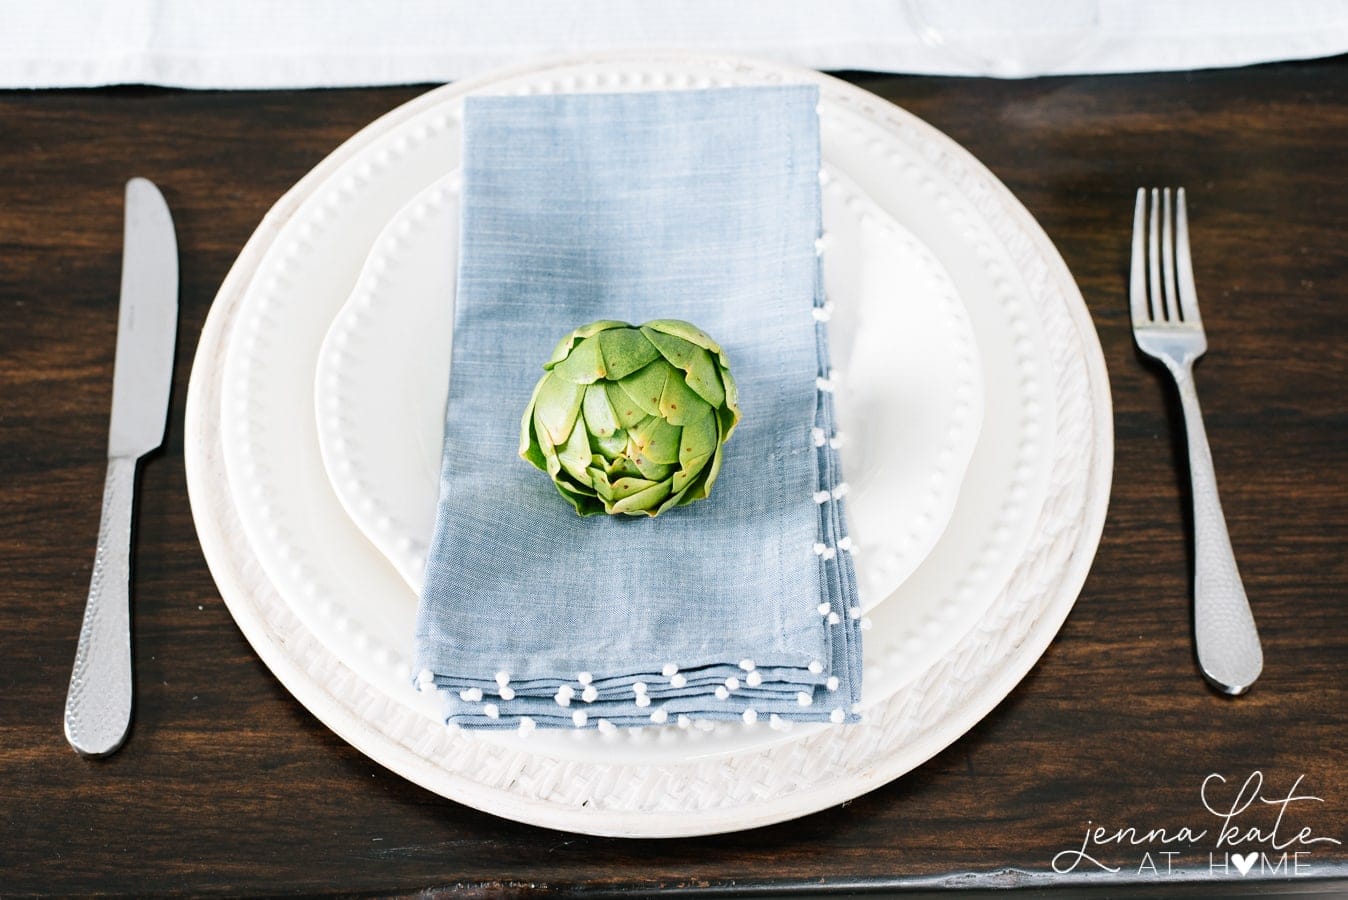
(695, 205)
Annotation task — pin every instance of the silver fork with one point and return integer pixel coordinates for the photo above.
(1166, 325)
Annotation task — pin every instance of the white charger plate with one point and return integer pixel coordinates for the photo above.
(1031, 328)
(900, 337)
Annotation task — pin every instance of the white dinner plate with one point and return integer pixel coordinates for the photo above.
(909, 395)
(295, 570)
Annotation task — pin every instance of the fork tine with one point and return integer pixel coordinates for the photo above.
(1188, 295)
(1137, 285)
(1154, 258)
(1168, 258)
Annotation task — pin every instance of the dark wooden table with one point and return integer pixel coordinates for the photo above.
(227, 785)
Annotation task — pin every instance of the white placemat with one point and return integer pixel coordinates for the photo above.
(308, 43)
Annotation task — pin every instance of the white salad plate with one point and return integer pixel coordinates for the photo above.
(909, 389)
(328, 613)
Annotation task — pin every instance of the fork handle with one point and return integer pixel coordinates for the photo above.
(1224, 631)
(98, 704)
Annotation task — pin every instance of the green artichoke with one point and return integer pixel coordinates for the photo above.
(631, 420)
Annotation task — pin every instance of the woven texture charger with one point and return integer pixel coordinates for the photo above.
(701, 795)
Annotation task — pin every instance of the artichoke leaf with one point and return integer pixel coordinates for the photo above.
(655, 440)
(564, 346)
(598, 412)
(583, 365)
(678, 402)
(547, 452)
(625, 351)
(621, 467)
(529, 447)
(680, 495)
(681, 330)
(676, 350)
(654, 471)
(626, 410)
(575, 455)
(599, 480)
(704, 377)
(689, 472)
(646, 501)
(646, 385)
(584, 503)
(627, 487)
(610, 446)
(713, 469)
(699, 440)
(556, 406)
(732, 405)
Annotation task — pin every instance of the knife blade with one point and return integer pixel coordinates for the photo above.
(98, 703)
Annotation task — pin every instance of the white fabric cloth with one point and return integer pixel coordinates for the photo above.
(311, 43)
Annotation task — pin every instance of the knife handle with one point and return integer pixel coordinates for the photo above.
(98, 704)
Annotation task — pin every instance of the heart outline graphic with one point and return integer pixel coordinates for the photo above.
(1244, 863)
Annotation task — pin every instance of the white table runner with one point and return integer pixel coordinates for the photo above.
(308, 43)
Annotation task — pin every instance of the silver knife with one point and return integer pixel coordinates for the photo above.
(98, 704)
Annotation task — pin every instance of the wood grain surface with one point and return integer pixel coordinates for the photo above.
(228, 786)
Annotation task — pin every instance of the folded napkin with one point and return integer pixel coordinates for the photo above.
(694, 205)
